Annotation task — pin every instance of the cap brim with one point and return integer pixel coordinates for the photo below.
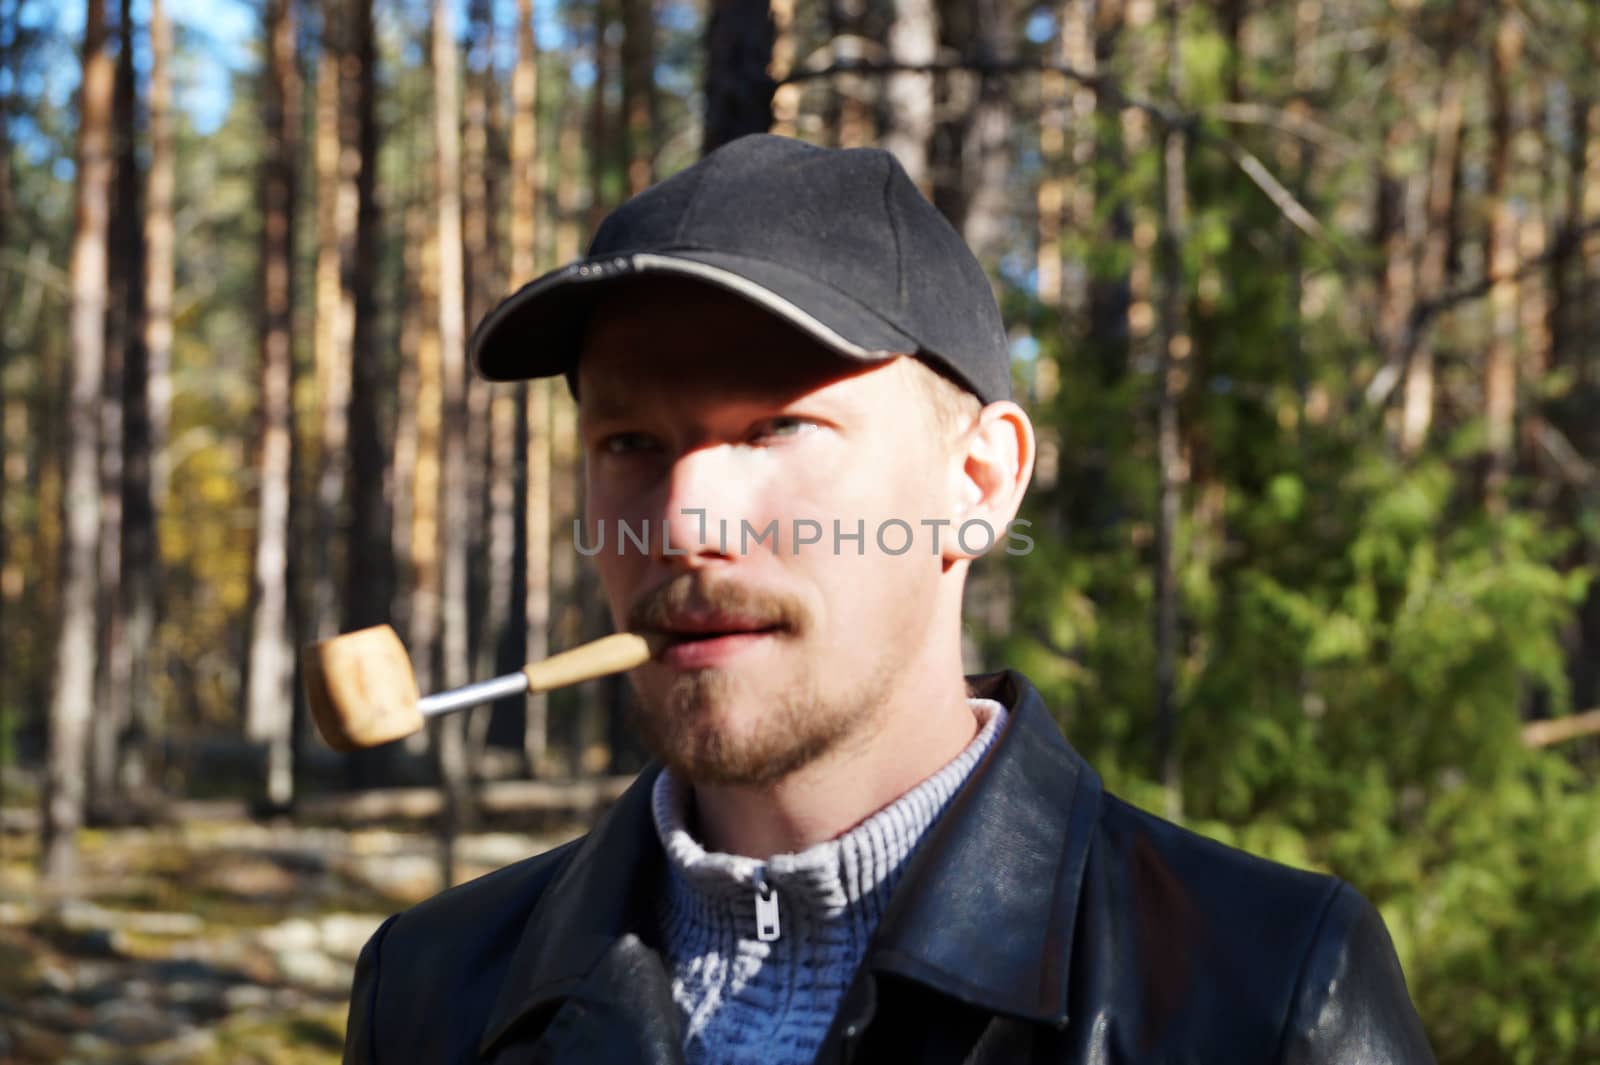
(538, 331)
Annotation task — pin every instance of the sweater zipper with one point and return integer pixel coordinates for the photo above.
(766, 908)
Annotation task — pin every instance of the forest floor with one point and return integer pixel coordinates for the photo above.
(208, 943)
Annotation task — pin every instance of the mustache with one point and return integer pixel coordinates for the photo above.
(690, 594)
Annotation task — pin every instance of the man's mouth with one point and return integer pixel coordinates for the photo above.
(698, 642)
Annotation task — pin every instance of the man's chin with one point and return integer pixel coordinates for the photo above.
(711, 737)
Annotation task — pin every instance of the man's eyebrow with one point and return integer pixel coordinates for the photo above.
(600, 402)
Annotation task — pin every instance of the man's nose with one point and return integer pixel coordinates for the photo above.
(701, 504)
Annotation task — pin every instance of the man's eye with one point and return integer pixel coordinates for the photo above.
(626, 443)
(783, 426)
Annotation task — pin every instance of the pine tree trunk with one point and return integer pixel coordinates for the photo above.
(739, 88)
(1397, 282)
(413, 387)
(534, 429)
(1500, 368)
(913, 39)
(1417, 413)
(1110, 293)
(370, 576)
(1566, 270)
(569, 181)
(124, 341)
(1171, 375)
(1049, 197)
(1587, 372)
(850, 118)
(73, 692)
(7, 22)
(640, 119)
(450, 733)
(479, 287)
(531, 561)
(987, 152)
(785, 98)
(270, 701)
(148, 406)
(334, 330)
(601, 144)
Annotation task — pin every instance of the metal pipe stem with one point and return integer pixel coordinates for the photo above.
(484, 691)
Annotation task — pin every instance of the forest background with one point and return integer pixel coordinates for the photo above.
(1303, 300)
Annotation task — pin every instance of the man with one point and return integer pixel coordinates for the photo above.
(793, 396)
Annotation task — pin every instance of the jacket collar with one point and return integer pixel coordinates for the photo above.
(988, 905)
(598, 903)
(1000, 869)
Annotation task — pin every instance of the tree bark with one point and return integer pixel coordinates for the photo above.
(640, 112)
(415, 425)
(986, 155)
(484, 614)
(7, 23)
(739, 87)
(270, 701)
(334, 330)
(450, 734)
(1500, 368)
(73, 692)
(602, 143)
(531, 560)
(369, 576)
(124, 355)
(913, 38)
(1567, 311)
(1110, 293)
(1433, 274)
(1171, 378)
(148, 407)
(1397, 282)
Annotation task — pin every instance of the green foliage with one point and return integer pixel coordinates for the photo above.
(1361, 638)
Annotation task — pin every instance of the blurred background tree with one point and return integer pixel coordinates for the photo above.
(1303, 300)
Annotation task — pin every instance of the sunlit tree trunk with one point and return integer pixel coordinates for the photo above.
(1050, 193)
(334, 331)
(850, 117)
(1500, 368)
(269, 697)
(1417, 412)
(73, 693)
(913, 39)
(739, 87)
(480, 285)
(533, 414)
(450, 734)
(785, 98)
(1393, 226)
(416, 447)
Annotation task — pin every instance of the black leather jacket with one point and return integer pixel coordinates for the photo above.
(1041, 920)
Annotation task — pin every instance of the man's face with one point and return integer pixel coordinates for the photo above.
(706, 419)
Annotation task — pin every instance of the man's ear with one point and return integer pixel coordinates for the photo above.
(996, 455)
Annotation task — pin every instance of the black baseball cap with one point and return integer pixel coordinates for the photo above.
(838, 242)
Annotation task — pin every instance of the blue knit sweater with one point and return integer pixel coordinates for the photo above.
(745, 996)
